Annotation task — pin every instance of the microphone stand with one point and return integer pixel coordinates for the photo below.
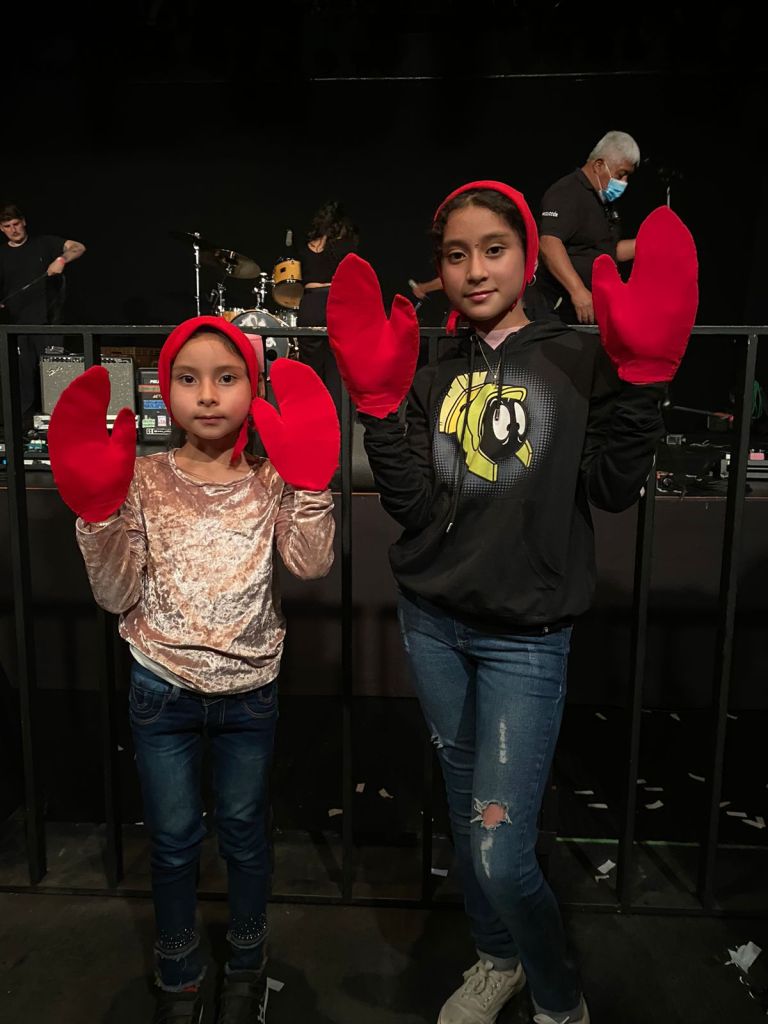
(196, 247)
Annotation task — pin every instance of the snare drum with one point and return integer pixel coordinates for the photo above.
(256, 321)
(287, 288)
(230, 314)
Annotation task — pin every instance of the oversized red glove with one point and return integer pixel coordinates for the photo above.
(645, 324)
(92, 469)
(376, 356)
(302, 439)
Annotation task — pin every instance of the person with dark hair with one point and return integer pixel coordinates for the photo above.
(579, 222)
(508, 437)
(183, 546)
(331, 237)
(27, 258)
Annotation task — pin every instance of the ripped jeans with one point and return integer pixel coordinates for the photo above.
(493, 704)
(168, 724)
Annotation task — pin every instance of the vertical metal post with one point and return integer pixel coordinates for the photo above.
(427, 785)
(113, 860)
(347, 667)
(22, 592)
(643, 562)
(729, 580)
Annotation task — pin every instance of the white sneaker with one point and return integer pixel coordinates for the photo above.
(583, 1017)
(483, 994)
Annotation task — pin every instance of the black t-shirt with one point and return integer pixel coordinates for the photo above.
(320, 266)
(572, 211)
(40, 304)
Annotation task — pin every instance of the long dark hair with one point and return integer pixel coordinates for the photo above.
(331, 221)
(489, 198)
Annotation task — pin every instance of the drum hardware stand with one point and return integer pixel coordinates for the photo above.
(217, 298)
(260, 290)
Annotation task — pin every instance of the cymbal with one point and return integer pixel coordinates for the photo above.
(234, 263)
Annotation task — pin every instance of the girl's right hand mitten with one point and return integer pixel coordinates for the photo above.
(376, 355)
(92, 469)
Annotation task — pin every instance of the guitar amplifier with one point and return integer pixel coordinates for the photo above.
(57, 371)
(154, 420)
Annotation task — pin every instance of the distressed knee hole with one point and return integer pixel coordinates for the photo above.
(491, 814)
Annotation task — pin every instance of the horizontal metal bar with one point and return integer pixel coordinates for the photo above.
(394, 903)
(309, 332)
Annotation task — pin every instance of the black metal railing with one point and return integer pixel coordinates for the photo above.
(92, 339)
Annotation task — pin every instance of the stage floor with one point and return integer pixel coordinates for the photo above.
(82, 960)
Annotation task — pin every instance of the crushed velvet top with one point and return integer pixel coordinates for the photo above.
(188, 565)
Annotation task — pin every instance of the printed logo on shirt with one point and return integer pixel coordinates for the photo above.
(549, 213)
(490, 424)
(501, 434)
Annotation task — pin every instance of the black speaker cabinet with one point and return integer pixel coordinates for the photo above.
(56, 371)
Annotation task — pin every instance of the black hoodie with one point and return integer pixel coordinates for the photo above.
(495, 503)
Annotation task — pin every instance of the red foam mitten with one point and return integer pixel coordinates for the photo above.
(376, 356)
(645, 324)
(92, 469)
(302, 439)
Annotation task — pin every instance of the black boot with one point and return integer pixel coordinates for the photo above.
(244, 998)
(178, 1007)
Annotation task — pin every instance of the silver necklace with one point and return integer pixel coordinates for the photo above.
(493, 373)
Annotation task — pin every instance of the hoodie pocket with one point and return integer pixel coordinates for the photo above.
(543, 561)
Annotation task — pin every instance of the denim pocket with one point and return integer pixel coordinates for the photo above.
(261, 702)
(147, 697)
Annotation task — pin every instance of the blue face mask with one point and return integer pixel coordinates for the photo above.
(613, 190)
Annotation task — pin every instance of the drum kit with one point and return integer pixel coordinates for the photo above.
(282, 290)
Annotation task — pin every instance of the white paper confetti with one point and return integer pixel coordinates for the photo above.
(725, 803)
(607, 867)
(654, 789)
(736, 814)
(334, 811)
(120, 749)
(599, 807)
(655, 805)
(735, 718)
(641, 782)
(696, 778)
(275, 985)
(584, 792)
(601, 717)
(744, 956)
(601, 878)
(674, 714)
(758, 822)
(441, 872)
(360, 787)
(385, 795)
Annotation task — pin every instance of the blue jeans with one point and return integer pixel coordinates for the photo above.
(493, 704)
(168, 724)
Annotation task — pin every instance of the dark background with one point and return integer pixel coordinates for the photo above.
(238, 123)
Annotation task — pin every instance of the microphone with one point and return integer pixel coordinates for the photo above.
(288, 238)
(416, 305)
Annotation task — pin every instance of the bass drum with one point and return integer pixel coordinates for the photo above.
(257, 321)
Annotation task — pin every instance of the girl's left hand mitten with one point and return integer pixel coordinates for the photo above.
(92, 469)
(302, 440)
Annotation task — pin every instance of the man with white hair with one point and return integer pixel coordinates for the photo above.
(579, 222)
